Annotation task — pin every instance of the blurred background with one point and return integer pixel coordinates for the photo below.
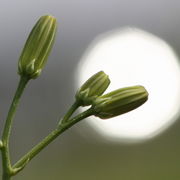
(77, 155)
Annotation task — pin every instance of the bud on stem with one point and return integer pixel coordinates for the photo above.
(37, 47)
(119, 101)
(92, 88)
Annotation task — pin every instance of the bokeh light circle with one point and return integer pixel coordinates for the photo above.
(135, 57)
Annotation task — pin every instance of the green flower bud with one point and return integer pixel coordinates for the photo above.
(92, 88)
(119, 101)
(37, 47)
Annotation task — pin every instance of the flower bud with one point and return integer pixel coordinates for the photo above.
(119, 101)
(92, 88)
(37, 47)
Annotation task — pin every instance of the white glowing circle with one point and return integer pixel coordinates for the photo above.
(134, 57)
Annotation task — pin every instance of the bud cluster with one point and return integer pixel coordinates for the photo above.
(33, 59)
(112, 104)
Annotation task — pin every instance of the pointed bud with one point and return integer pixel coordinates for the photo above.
(92, 88)
(37, 47)
(119, 101)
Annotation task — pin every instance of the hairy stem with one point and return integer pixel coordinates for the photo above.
(70, 112)
(6, 163)
(48, 139)
(6, 177)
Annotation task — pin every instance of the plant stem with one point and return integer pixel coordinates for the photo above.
(6, 177)
(6, 163)
(48, 139)
(70, 111)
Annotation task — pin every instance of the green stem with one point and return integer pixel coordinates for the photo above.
(70, 111)
(48, 139)
(6, 177)
(6, 163)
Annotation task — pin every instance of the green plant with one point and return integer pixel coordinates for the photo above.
(31, 63)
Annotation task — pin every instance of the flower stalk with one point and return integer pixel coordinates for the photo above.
(7, 169)
(31, 63)
(53, 135)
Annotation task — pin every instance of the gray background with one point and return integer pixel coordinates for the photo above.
(72, 156)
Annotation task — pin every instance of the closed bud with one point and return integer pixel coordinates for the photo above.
(37, 47)
(119, 101)
(92, 88)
